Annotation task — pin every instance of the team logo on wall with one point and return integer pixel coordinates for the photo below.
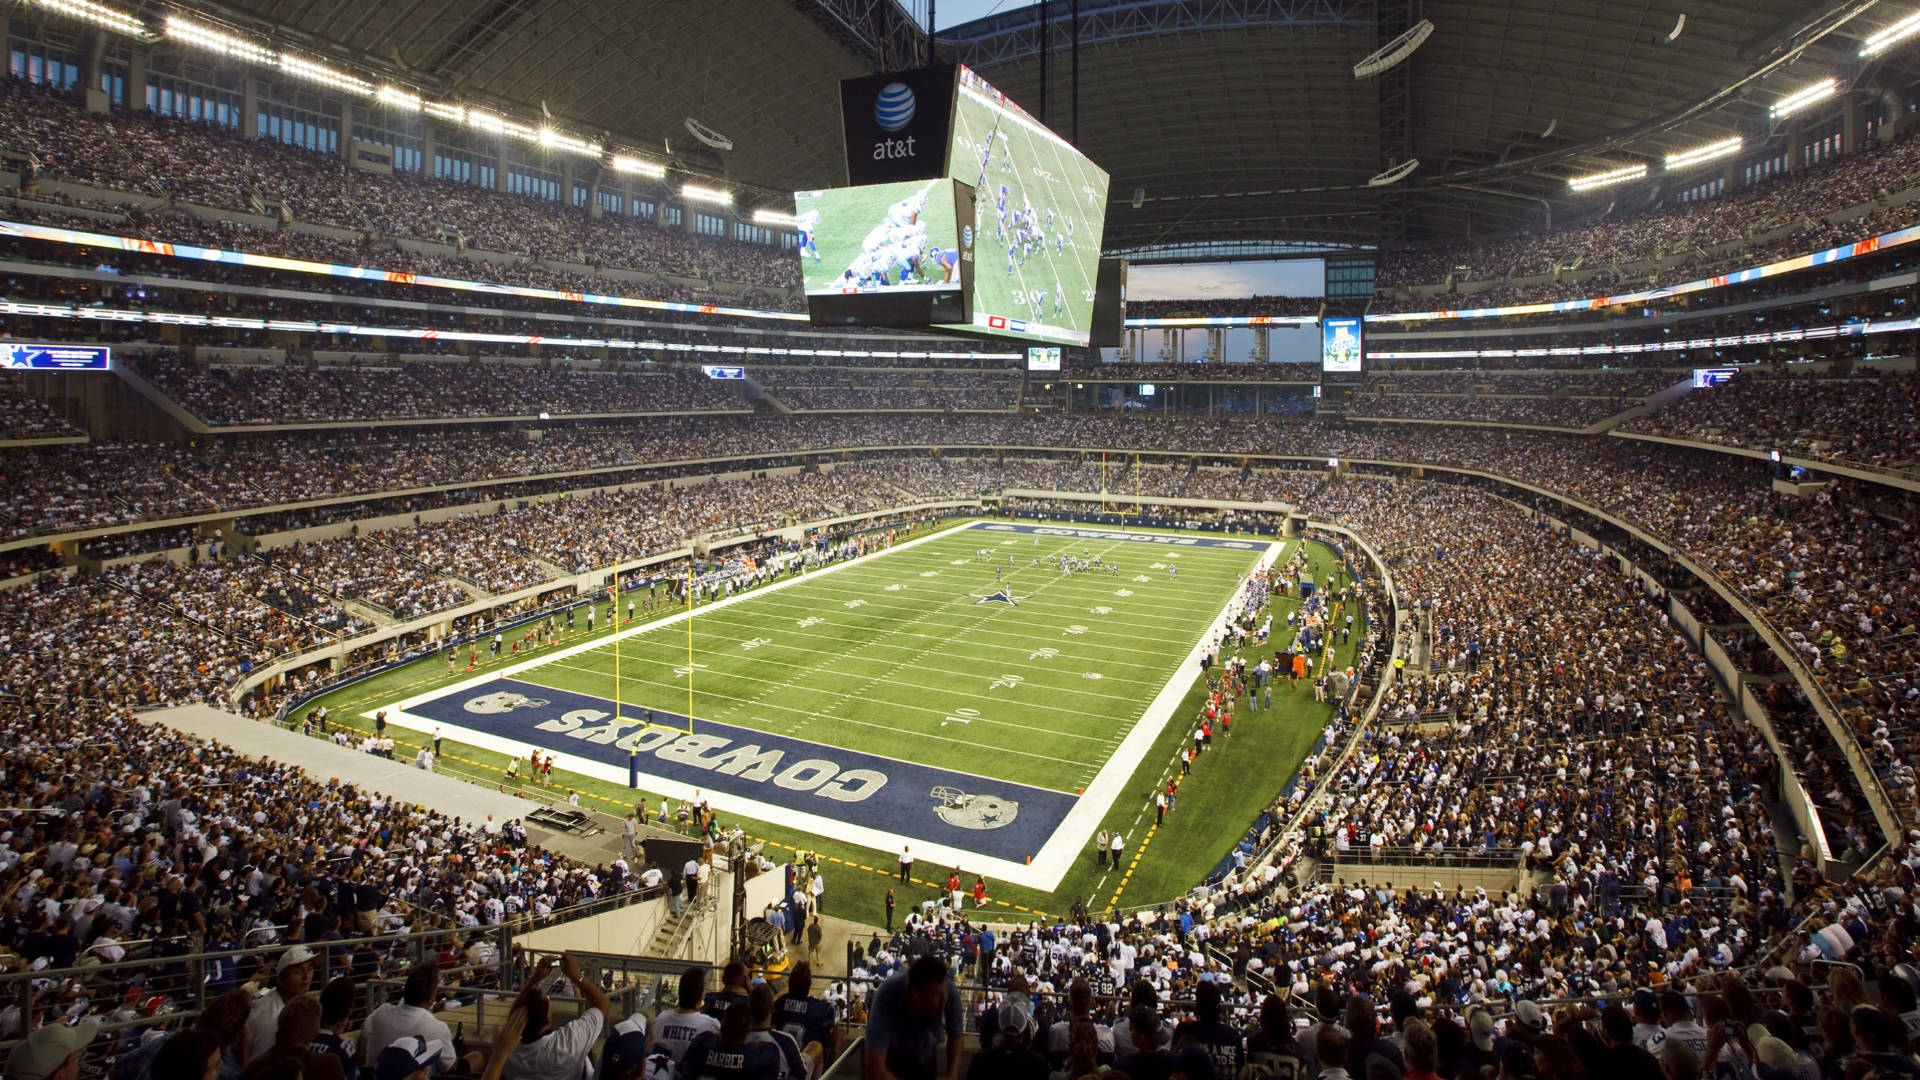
(502, 701)
(964, 811)
(893, 108)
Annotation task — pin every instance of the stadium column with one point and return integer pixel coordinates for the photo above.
(1853, 123)
(136, 78)
(346, 130)
(249, 106)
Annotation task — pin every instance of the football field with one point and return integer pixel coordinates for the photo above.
(849, 216)
(959, 693)
(1048, 286)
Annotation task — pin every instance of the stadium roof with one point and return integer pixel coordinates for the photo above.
(1235, 119)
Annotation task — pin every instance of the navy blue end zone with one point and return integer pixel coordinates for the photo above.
(993, 818)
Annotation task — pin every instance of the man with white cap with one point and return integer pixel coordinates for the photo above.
(52, 1052)
(409, 1057)
(292, 977)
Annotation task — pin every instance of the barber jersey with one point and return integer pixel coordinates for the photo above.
(675, 1031)
(705, 1060)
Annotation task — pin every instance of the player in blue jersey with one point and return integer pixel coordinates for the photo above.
(948, 260)
(807, 224)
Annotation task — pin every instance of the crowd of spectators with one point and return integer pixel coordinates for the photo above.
(23, 416)
(1236, 305)
(834, 389)
(1800, 196)
(363, 569)
(1560, 412)
(136, 151)
(244, 598)
(380, 390)
(1861, 417)
(1590, 741)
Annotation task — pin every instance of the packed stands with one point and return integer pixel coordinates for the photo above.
(138, 152)
(835, 389)
(1862, 418)
(379, 390)
(1848, 181)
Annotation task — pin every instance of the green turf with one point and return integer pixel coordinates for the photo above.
(898, 657)
(849, 215)
(1228, 788)
(990, 150)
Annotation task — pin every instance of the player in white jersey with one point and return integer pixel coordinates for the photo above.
(907, 210)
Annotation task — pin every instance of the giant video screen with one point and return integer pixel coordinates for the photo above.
(1039, 210)
(884, 254)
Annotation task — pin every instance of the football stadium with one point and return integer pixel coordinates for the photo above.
(1077, 539)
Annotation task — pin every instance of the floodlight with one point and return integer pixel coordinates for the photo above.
(775, 218)
(628, 164)
(206, 37)
(100, 15)
(1697, 155)
(485, 121)
(1396, 174)
(1604, 179)
(442, 111)
(696, 193)
(1805, 96)
(396, 98)
(1892, 35)
(311, 71)
(560, 140)
(1395, 51)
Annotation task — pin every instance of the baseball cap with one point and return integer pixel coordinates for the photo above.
(1481, 1025)
(1014, 1018)
(1530, 1014)
(626, 1046)
(1645, 1000)
(407, 1055)
(42, 1053)
(299, 954)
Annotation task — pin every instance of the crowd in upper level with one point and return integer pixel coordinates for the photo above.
(1673, 229)
(378, 390)
(137, 151)
(553, 245)
(1862, 417)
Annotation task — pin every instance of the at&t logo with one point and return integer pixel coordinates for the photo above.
(893, 110)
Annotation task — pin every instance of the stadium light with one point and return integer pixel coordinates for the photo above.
(485, 121)
(311, 71)
(775, 218)
(100, 15)
(1700, 154)
(442, 111)
(628, 164)
(560, 140)
(1892, 35)
(696, 193)
(1805, 96)
(1604, 179)
(395, 98)
(206, 37)
(1395, 51)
